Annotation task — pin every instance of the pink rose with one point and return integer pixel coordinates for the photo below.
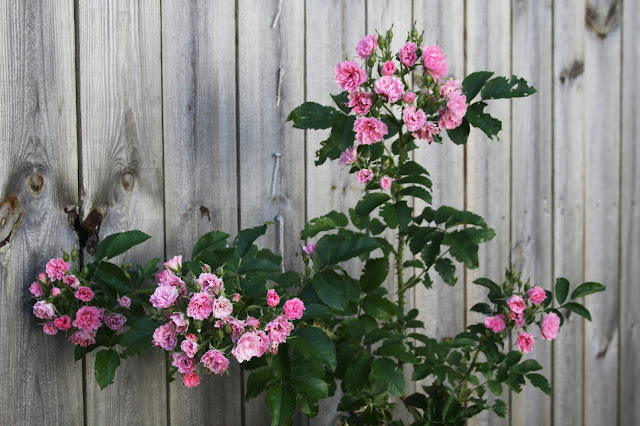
(385, 182)
(369, 130)
(252, 322)
(183, 363)
(84, 293)
(44, 310)
(200, 306)
(124, 302)
(56, 268)
(82, 338)
(215, 361)
(191, 380)
(180, 321)
(452, 114)
(88, 318)
(36, 289)
(360, 102)
(164, 297)
(237, 326)
(55, 291)
(516, 304)
(537, 295)
(175, 263)
(409, 97)
(349, 156)
(165, 336)
(251, 344)
(427, 131)
(367, 46)
(222, 307)
(495, 323)
(168, 278)
(42, 277)
(389, 86)
(450, 87)
(309, 249)
(550, 326)
(414, 118)
(408, 55)
(525, 342)
(273, 299)
(293, 309)
(50, 328)
(63, 323)
(434, 61)
(236, 298)
(518, 319)
(388, 68)
(349, 76)
(279, 329)
(364, 176)
(209, 283)
(71, 281)
(115, 321)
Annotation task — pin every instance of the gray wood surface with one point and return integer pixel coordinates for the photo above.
(38, 177)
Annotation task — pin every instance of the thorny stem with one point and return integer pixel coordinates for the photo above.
(470, 370)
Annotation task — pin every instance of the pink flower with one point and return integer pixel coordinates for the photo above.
(427, 131)
(191, 380)
(44, 310)
(408, 56)
(175, 263)
(82, 338)
(279, 329)
(200, 306)
(63, 322)
(385, 182)
(168, 278)
(215, 361)
(434, 61)
(115, 321)
(388, 68)
(537, 295)
(222, 307)
(364, 176)
(55, 291)
(449, 87)
(180, 321)
(367, 46)
(452, 114)
(414, 118)
(349, 156)
(518, 319)
(251, 344)
(495, 323)
(36, 289)
(369, 130)
(409, 97)
(56, 268)
(209, 283)
(50, 328)
(550, 326)
(360, 102)
(124, 301)
(236, 298)
(252, 322)
(71, 281)
(189, 347)
(165, 336)
(42, 277)
(389, 86)
(525, 342)
(84, 293)
(349, 76)
(164, 297)
(183, 363)
(309, 249)
(88, 318)
(293, 309)
(237, 326)
(273, 299)
(516, 304)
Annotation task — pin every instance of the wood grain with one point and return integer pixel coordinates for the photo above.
(121, 117)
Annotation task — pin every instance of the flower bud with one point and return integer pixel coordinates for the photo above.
(74, 254)
(372, 61)
(414, 33)
(85, 271)
(65, 256)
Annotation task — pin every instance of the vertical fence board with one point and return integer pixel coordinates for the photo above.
(629, 402)
(602, 174)
(263, 48)
(121, 116)
(487, 162)
(199, 93)
(38, 165)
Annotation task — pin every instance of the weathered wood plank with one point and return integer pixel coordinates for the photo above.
(199, 118)
(38, 177)
(121, 118)
(487, 162)
(629, 371)
(602, 201)
(271, 66)
(568, 203)
(531, 180)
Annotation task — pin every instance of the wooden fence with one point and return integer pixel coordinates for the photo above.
(166, 115)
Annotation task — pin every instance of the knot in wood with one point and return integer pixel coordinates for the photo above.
(36, 183)
(128, 181)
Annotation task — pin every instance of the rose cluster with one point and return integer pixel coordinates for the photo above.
(65, 303)
(202, 325)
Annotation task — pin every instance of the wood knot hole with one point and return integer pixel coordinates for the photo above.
(128, 181)
(36, 183)
(205, 212)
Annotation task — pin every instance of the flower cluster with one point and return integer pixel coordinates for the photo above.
(203, 325)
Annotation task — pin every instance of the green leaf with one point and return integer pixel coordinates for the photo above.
(512, 358)
(311, 115)
(586, 289)
(357, 373)
(116, 244)
(257, 382)
(501, 88)
(342, 131)
(245, 238)
(396, 350)
(541, 382)
(331, 220)
(306, 381)
(282, 404)
(139, 336)
(314, 343)
(391, 126)
(360, 222)
(341, 100)
(447, 270)
(209, 242)
(331, 289)
(385, 370)
(114, 277)
(494, 289)
(463, 247)
(478, 118)
(562, 290)
(374, 273)
(316, 310)
(500, 408)
(495, 388)
(334, 248)
(527, 366)
(419, 179)
(416, 191)
(472, 83)
(460, 134)
(370, 202)
(378, 307)
(329, 148)
(578, 309)
(396, 214)
(107, 362)
(410, 168)
(483, 308)
(376, 227)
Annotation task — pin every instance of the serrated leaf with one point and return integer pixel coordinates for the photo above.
(357, 373)
(257, 382)
(335, 248)
(370, 202)
(482, 308)
(472, 83)
(478, 118)
(316, 310)
(586, 289)
(282, 404)
(412, 168)
(210, 241)
(463, 247)
(447, 270)
(396, 350)
(328, 222)
(116, 244)
(107, 362)
(342, 131)
(360, 222)
(501, 88)
(341, 100)
(494, 289)
(304, 380)
(527, 366)
(374, 273)
(541, 382)
(245, 238)
(378, 307)
(460, 134)
(578, 309)
(500, 408)
(416, 191)
(311, 115)
(562, 290)
(331, 289)
(314, 343)
(114, 277)
(137, 339)
(376, 226)
(495, 388)
(395, 214)
(385, 370)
